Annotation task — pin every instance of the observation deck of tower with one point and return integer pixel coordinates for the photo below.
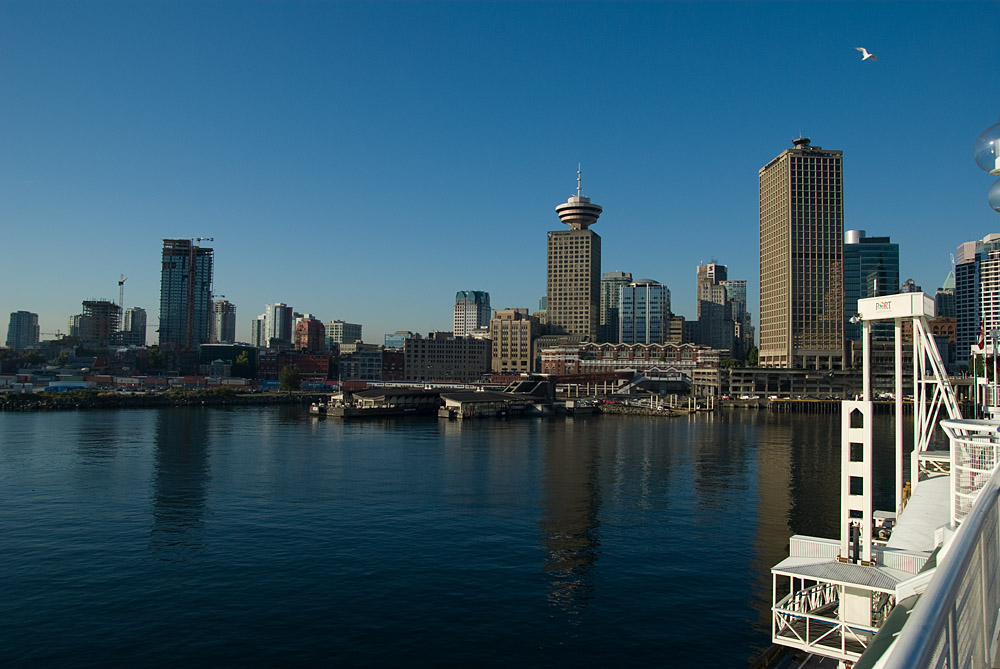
(578, 212)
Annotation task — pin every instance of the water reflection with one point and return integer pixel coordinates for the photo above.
(180, 481)
(570, 524)
(99, 438)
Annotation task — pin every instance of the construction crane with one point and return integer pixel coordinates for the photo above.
(121, 292)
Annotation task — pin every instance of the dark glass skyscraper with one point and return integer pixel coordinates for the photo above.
(871, 269)
(185, 293)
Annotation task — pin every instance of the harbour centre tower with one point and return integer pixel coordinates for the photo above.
(573, 276)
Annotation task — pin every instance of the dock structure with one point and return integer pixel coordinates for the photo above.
(380, 402)
(856, 599)
(484, 404)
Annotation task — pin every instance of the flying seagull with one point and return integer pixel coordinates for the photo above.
(864, 53)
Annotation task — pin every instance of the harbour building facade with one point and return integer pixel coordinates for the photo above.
(802, 259)
(573, 274)
(512, 334)
(185, 293)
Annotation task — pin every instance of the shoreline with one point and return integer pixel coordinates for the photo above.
(89, 399)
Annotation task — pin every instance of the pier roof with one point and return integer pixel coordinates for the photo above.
(926, 511)
(834, 571)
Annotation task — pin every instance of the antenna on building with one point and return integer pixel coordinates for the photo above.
(579, 180)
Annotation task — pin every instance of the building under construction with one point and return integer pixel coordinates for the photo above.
(185, 293)
(99, 322)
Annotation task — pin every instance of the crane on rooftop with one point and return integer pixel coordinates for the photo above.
(121, 292)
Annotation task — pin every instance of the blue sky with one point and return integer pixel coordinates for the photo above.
(364, 161)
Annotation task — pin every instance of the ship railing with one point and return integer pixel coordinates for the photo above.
(795, 624)
(956, 620)
(975, 447)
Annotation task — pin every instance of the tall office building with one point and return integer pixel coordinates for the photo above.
(185, 293)
(611, 288)
(944, 298)
(977, 293)
(736, 298)
(712, 307)
(134, 327)
(223, 322)
(472, 311)
(871, 269)
(573, 275)
(644, 313)
(802, 258)
(339, 332)
(22, 331)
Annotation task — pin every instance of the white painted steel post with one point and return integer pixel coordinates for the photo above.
(898, 400)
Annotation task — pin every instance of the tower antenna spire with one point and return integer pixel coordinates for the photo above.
(579, 180)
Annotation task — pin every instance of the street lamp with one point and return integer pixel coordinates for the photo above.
(987, 155)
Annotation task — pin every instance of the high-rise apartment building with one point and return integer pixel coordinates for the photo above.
(573, 276)
(134, 327)
(802, 258)
(472, 311)
(185, 293)
(223, 322)
(977, 293)
(512, 332)
(278, 324)
(611, 288)
(258, 331)
(871, 269)
(644, 313)
(22, 331)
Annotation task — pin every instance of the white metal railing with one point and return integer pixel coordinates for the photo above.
(975, 446)
(955, 622)
(793, 624)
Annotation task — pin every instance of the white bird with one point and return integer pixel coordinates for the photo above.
(864, 53)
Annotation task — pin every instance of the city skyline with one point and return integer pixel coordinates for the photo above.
(362, 140)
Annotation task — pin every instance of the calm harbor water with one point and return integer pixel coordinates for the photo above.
(261, 536)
